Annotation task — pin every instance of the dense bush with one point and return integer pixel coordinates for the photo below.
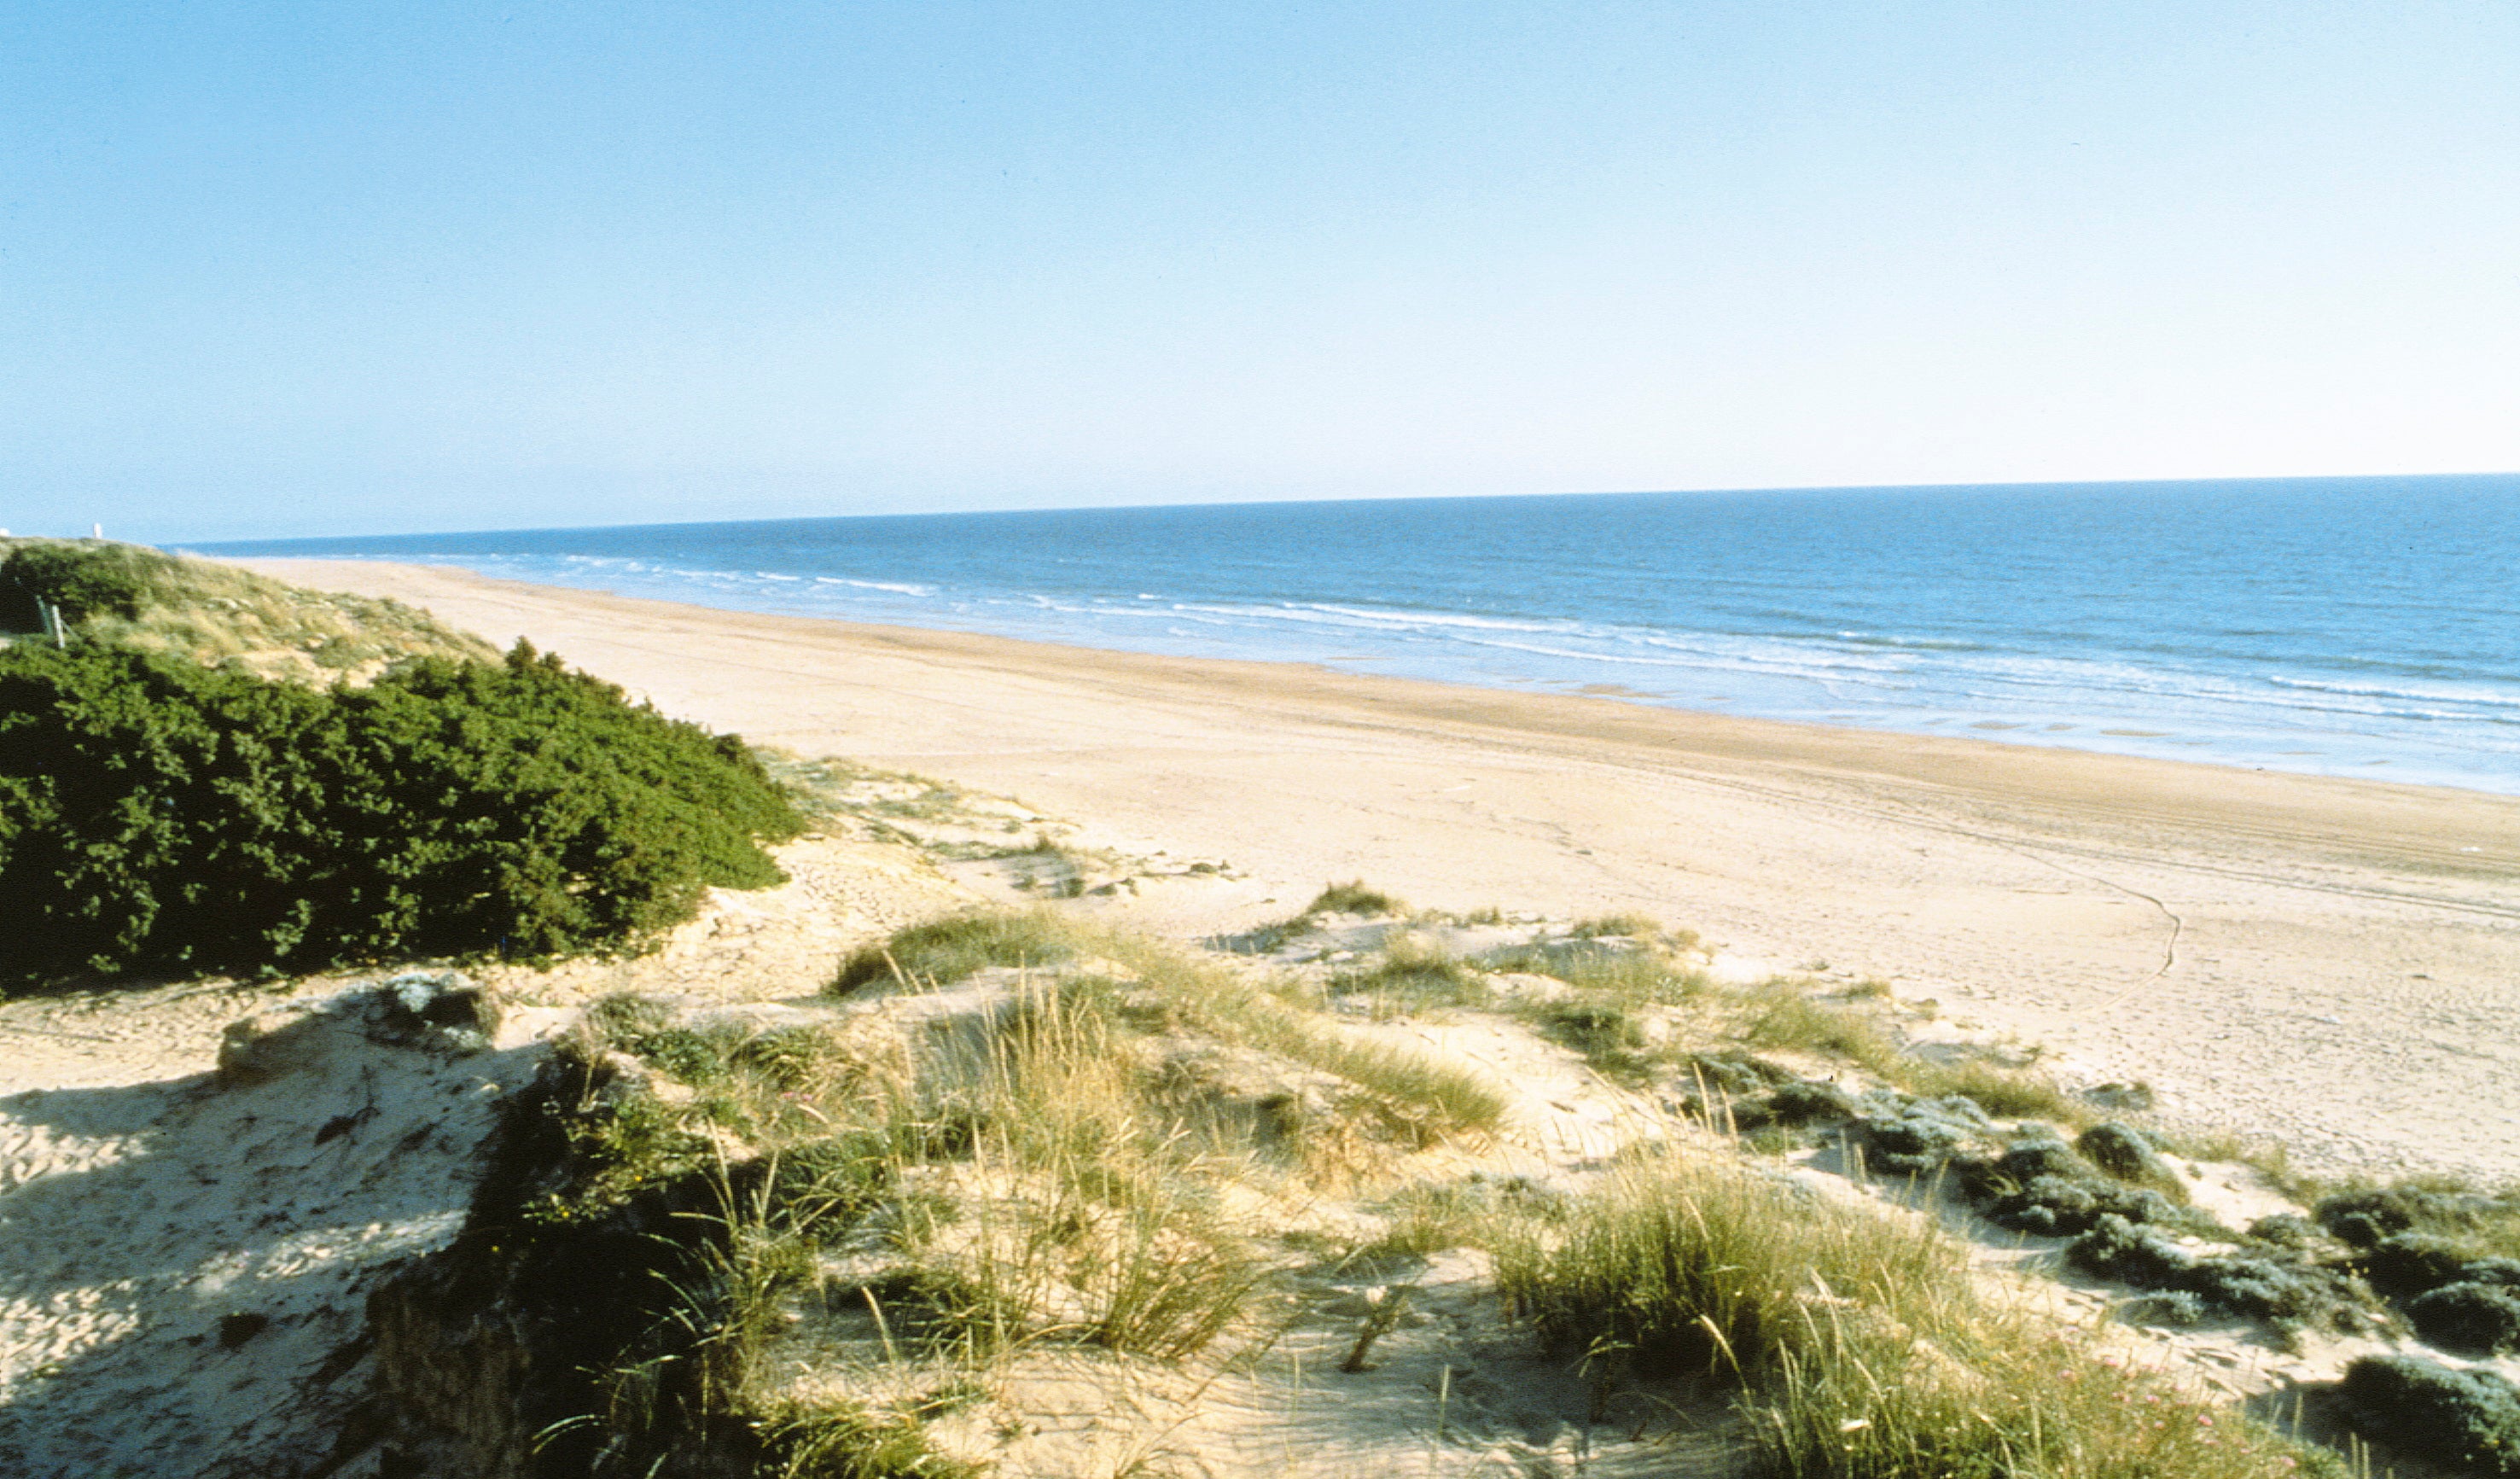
(2472, 1317)
(2129, 1155)
(2485, 1223)
(2262, 1284)
(131, 596)
(89, 579)
(159, 815)
(1916, 1137)
(2463, 1421)
(2404, 1265)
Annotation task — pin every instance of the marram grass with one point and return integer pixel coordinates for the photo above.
(1861, 1346)
(1437, 1096)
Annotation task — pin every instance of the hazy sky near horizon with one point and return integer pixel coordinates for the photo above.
(273, 269)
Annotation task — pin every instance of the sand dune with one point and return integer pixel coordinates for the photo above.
(2334, 962)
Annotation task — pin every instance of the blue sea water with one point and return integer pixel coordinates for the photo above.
(2346, 626)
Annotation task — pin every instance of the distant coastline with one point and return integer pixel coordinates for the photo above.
(2348, 627)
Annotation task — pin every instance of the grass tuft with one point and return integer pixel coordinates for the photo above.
(1782, 1018)
(1412, 974)
(941, 952)
(2004, 1093)
(1859, 1345)
(1354, 897)
(1631, 925)
(1422, 1096)
(1628, 975)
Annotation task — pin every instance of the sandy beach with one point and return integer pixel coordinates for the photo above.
(2335, 963)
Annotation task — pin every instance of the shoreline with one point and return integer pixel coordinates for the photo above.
(2322, 958)
(2151, 724)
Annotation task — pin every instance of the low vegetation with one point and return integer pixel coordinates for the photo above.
(1860, 1347)
(159, 815)
(691, 1211)
(1629, 971)
(1413, 1088)
(1354, 897)
(1063, 1158)
(2468, 1421)
(2446, 1255)
(970, 833)
(1054, 1174)
(1412, 974)
(130, 596)
(943, 952)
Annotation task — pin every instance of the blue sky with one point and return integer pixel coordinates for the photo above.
(271, 269)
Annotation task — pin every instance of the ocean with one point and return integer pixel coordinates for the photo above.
(2338, 626)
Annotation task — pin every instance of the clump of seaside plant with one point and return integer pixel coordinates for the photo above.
(123, 595)
(1353, 897)
(941, 952)
(156, 815)
(1858, 1347)
(2446, 1253)
(2467, 1422)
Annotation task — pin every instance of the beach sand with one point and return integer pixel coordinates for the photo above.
(2332, 963)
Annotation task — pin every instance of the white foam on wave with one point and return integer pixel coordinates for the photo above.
(2273, 698)
(1912, 644)
(1887, 655)
(895, 588)
(1415, 618)
(1367, 619)
(2477, 695)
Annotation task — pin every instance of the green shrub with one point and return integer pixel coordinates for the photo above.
(2271, 1285)
(1354, 897)
(2473, 1319)
(2404, 1265)
(941, 952)
(119, 595)
(2463, 1421)
(2124, 1152)
(159, 815)
(90, 579)
(2479, 1223)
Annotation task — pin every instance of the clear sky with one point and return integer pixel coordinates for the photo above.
(271, 269)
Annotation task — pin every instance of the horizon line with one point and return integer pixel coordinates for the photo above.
(1420, 498)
